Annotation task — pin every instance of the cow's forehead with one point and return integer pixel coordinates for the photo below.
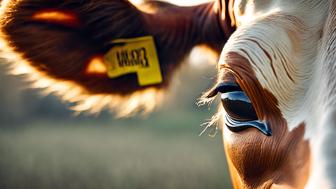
(247, 10)
(282, 44)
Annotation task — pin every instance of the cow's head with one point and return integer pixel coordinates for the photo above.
(278, 58)
(275, 72)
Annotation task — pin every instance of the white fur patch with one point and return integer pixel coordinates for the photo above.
(283, 42)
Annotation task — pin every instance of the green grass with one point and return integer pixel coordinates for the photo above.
(41, 147)
(99, 156)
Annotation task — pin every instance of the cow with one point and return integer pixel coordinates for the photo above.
(276, 71)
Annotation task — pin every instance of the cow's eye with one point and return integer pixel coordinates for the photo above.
(240, 113)
(238, 106)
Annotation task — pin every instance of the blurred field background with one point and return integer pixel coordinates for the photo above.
(44, 146)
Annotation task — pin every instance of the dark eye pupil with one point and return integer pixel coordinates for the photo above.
(238, 106)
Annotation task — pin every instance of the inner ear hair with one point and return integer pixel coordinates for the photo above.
(63, 41)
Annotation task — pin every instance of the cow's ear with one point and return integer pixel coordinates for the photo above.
(105, 53)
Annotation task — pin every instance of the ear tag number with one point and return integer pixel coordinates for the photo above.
(136, 55)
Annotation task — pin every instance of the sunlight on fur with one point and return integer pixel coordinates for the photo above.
(123, 106)
(214, 124)
(96, 66)
(148, 8)
(144, 101)
(56, 17)
(177, 2)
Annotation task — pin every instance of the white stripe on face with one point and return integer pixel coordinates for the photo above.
(282, 45)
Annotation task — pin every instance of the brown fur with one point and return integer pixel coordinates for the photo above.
(64, 50)
(256, 159)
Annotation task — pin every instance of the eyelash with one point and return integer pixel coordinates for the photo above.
(212, 126)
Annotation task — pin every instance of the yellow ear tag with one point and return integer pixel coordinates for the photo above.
(136, 55)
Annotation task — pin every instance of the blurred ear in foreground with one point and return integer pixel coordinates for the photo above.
(105, 53)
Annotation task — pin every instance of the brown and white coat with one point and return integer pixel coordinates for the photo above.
(280, 52)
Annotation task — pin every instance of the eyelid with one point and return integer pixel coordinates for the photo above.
(224, 87)
(236, 126)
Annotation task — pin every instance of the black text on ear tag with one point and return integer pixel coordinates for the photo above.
(136, 55)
